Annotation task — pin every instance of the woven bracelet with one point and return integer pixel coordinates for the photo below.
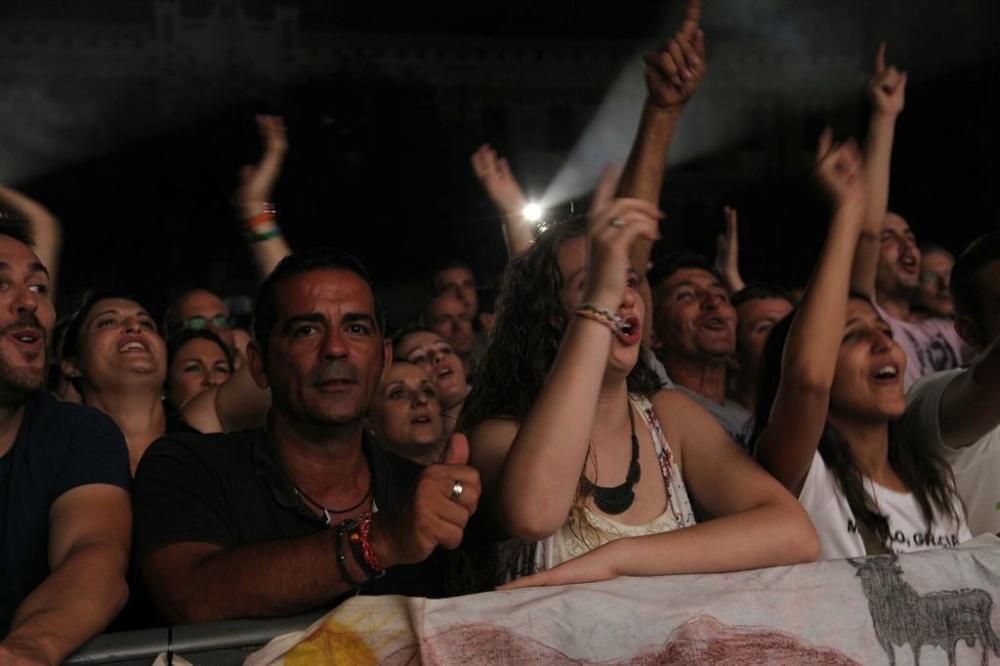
(600, 315)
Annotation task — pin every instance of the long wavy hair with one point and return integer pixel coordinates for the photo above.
(917, 462)
(523, 342)
(529, 327)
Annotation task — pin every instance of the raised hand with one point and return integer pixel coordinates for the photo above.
(493, 173)
(727, 252)
(674, 72)
(436, 515)
(257, 180)
(840, 171)
(612, 232)
(887, 86)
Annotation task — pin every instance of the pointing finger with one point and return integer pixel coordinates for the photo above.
(692, 17)
(880, 59)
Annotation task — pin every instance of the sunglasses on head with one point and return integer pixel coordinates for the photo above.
(200, 323)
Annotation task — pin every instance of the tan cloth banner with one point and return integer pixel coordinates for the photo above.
(934, 605)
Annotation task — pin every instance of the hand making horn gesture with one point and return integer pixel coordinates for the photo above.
(674, 72)
(840, 171)
(887, 85)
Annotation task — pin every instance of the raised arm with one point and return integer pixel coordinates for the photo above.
(672, 76)
(252, 198)
(788, 442)
(888, 94)
(505, 192)
(531, 471)
(89, 531)
(46, 232)
(236, 405)
(727, 253)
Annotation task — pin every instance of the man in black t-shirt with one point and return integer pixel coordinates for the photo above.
(291, 517)
(64, 477)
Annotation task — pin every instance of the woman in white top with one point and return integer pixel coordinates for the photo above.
(829, 395)
(586, 468)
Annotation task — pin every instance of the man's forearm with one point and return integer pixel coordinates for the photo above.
(642, 177)
(878, 162)
(257, 580)
(77, 601)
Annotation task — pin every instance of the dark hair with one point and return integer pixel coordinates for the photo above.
(487, 297)
(265, 312)
(529, 327)
(13, 224)
(915, 460)
(966, 289)
(84, 304)
(445, 266)
(55, 358)
(177, 341)
(758, 292)
(404, 331)
(669, 264)
(934, 248)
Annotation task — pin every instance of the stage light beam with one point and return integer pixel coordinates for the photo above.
(532, 213)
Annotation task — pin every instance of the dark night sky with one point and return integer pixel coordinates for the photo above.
(377, 166)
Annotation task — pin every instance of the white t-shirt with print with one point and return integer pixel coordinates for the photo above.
(931, 345)
(976, 467)
(838, 533)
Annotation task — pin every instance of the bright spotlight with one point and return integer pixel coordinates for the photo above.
(532, 212)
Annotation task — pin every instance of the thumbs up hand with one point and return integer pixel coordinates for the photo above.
(444, 497)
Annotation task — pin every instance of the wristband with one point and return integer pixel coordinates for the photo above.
(345, 575)
(600, 315)
(257, 237)
(360, 544)
(267, 212)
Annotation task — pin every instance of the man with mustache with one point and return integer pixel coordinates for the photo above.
(64, 506)
(306, 510)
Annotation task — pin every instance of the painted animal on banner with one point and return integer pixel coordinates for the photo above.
(903, 617)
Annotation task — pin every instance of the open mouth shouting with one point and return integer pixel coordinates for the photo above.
(629, 331)
(887, 374)
(133, 345)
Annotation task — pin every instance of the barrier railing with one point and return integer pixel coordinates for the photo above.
(216, 643)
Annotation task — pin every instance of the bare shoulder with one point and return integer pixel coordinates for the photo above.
(683, 420)
(491, 438)
(680, 413)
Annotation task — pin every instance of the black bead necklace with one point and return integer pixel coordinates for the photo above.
(619, 498)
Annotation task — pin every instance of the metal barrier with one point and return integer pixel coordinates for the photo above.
(209, 644)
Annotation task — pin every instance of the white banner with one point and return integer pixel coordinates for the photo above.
(930, 607)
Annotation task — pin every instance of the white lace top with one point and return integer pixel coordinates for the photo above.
(581, 534)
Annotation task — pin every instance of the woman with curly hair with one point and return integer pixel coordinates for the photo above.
(586, 468)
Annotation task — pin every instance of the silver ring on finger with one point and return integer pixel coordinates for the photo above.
(617, 223)
(457, 489)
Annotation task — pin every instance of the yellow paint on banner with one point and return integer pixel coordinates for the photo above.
(332, 643)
